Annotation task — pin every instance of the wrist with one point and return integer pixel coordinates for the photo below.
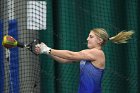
(49, 52)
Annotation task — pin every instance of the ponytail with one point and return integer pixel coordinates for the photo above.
(121, 37)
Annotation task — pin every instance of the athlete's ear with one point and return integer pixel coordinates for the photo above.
(100, 41)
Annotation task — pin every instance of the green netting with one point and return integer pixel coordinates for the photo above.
(68, 25)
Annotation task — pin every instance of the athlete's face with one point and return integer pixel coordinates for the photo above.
(93, 40)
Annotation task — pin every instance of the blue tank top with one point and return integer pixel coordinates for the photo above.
(90, 78)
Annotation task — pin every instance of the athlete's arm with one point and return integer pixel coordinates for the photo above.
(88, 54)
(61, 60)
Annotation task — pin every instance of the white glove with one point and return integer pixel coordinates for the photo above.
(44, 49)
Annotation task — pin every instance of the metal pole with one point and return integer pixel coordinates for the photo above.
(8, 59)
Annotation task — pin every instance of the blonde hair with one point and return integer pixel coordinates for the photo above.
(121, 37)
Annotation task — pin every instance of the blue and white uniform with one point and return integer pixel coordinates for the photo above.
(90, 78)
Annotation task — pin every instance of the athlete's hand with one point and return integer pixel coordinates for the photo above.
(42, 49)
